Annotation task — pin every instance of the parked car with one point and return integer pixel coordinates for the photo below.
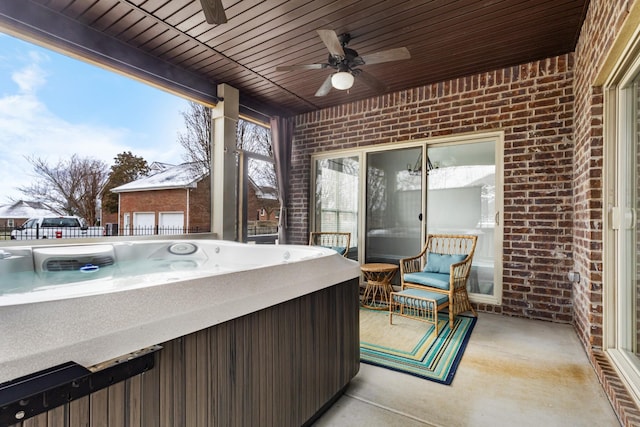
(55, 227)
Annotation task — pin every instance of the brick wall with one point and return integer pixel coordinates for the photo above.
(200, 206)
(603, 20)
(108, 218)
(602, 23)
(260, 209)
(533, 105)
(173, 200)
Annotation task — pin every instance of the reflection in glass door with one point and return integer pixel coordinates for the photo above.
(628, 226)
(394, 200)
(461, 199)
(336, 197)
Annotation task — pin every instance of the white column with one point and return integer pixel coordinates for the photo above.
(224, 181)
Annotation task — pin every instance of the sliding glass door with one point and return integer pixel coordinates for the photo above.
(623, 231)
(462, 199)
(451, 186)
(337, 182)
(394, 205)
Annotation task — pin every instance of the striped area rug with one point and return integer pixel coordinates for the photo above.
(410, 346)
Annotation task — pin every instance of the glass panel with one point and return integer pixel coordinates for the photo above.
(394, 200)
(263, 206)
(461, 198)
(336, 199)
(631, 238)
(259, 205)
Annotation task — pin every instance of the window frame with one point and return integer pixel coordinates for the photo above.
(620, 123)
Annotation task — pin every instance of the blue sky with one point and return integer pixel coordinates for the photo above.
(53, 106)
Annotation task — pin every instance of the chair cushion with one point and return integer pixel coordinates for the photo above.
(404, 297)
(435, 280)
(441, 263)
(339, 249)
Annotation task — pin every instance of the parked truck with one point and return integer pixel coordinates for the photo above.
(55, 227)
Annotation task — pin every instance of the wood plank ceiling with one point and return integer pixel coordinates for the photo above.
(169, 43)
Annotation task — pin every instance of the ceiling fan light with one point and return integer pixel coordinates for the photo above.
(342, 80)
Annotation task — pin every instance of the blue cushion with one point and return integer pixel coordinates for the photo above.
(441, 263)
(402, 297)
(435, 280)
(339, 249)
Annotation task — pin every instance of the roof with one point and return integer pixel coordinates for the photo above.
(185, 176)
(156, 167)
(264, 190)
(170, 44)
(26, 209)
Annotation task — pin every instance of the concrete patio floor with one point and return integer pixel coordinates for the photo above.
(514, 372)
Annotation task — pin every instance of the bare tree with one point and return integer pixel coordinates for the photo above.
(250, 137)
(254, 138)
(71, 186)
(196, 141)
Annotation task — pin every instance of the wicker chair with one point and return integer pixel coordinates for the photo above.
(450, 257)
(335, 240)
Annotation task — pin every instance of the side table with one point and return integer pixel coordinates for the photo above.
(378, 277)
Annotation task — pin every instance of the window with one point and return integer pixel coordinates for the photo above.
(621, 324)
(259, 190)
(337, 187)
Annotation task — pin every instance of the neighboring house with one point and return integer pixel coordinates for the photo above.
(13, 215)
(110, 220)
(262, 202)
(174, 200)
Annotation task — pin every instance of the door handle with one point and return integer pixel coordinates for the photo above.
(420, 216)
(498, 218)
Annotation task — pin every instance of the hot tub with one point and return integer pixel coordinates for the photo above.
(54, 272)
(93, 302)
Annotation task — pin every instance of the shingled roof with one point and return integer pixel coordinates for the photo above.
(186, 175)
(26, 209)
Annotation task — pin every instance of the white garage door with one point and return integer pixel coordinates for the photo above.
(171, 223)
(144, 223)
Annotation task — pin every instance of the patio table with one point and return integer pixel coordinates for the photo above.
(378, 278)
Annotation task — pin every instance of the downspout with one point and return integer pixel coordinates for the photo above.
(187, 221)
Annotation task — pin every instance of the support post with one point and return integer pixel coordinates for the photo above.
(224, 176)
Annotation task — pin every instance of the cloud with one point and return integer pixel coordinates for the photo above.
(29, 128)
(31, 77)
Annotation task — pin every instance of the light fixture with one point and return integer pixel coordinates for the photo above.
(342, 80)
(417, 168)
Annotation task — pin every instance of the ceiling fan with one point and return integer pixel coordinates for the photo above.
(346, 62)
(213, 11)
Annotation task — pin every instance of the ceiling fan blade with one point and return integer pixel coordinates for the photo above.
(214, 11)
(371, 81)
(325, 88)
(396, 54)
(331, 41)
(301, 67)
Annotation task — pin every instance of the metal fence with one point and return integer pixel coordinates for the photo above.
(255, 233)
(257, 230)
(154, 230)
(53, 232)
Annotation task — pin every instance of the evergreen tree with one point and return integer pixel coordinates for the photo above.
(126, 168)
